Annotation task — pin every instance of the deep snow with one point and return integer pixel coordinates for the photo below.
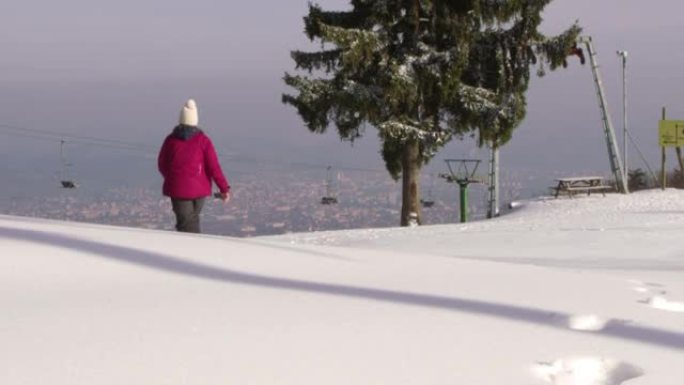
(584, 291)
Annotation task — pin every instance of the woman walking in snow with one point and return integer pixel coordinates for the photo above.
(188, 163)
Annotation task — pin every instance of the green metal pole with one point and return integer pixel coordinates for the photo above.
(663, 173)
(463, 187)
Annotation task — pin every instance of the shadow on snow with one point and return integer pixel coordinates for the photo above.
(157, 261)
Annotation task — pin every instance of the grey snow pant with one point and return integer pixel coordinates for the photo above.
(187, 214)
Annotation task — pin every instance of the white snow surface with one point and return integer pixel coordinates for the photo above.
(582, 291)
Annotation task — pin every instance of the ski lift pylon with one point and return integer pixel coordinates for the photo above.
(463, 173)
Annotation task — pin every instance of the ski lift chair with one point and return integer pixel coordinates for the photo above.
(329, 198)
(65, 181)
(427, 203)
(68, 184)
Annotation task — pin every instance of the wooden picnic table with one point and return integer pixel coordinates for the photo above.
(572, 185)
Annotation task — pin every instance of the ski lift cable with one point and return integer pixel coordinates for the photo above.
(30, 136)
(120, 144)
(54, 136)
(641, 155)
(56, 140)
(114, 143)
(74, 137)
(143, 152)
(281, 162)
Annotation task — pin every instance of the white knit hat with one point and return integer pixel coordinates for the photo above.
(188, 115)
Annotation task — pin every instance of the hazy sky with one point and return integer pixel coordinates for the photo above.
(122, 69)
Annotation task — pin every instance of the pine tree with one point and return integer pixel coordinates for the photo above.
(423, 72)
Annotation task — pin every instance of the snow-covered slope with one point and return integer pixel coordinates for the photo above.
(643, 230)
(86, 304)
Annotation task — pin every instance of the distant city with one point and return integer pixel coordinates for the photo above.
(260, 205)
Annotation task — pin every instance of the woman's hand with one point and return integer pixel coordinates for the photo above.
(225, 197)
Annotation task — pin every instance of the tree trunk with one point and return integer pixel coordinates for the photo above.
(410, 175)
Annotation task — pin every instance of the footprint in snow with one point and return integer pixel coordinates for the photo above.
(586, 322)
(591, 322)
(659, 302)
(586, 371)
(649, 284)
(657, 299)
(648, 287)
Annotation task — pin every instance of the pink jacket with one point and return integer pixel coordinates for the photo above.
(188, 162)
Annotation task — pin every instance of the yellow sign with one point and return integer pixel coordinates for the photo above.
(671, 133)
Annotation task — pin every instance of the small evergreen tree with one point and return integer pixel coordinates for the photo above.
(422, 72)
(637, 180)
